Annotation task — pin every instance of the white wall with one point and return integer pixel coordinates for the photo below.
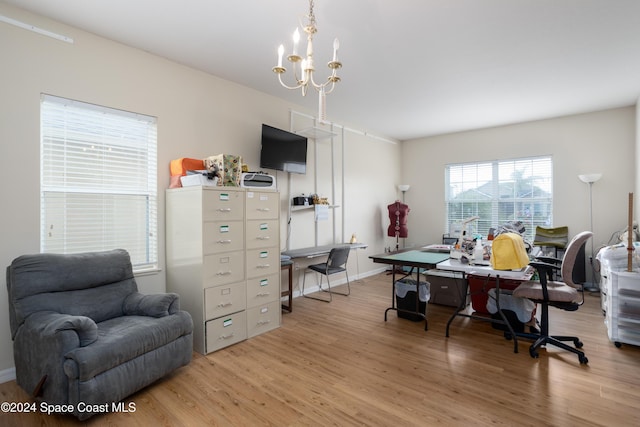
(596, 142)
(198, 115)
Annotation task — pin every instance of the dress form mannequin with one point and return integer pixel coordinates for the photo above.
(398, 213)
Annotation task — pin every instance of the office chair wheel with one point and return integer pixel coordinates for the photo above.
(618, 344)
(533, 353)
(578, 343)
(583, 359)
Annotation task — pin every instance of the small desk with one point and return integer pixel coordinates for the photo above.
(488, 272)
(317, 251)
(416, 259)
(314, 252)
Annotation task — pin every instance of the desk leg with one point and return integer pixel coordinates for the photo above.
(289, 291)
(504, 318)
(426, 308)
(393, 291)
(461, 305)
(290, 288)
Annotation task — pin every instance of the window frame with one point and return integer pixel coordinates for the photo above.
(98, 181)
(499, 197)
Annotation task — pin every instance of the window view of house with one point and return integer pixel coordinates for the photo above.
(500, 192)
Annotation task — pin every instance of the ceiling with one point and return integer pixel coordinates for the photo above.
(411, 68)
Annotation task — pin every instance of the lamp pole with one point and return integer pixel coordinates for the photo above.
(590, 179)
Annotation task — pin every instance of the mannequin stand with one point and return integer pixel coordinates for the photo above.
(398, 216)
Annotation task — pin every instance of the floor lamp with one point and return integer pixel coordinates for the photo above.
(404, 188)
(590, 178)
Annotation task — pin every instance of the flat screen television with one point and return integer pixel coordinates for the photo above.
(283, 151)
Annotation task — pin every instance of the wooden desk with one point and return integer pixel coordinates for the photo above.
(416, 259)
(488, 273)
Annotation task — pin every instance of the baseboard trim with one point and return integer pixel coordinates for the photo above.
(7, 375)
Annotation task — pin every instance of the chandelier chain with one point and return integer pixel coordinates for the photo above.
(312, 16)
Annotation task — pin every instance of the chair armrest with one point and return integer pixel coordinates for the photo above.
(48, 323)
(155, 305)
(544, 266)
(549, 260)
(544, 269)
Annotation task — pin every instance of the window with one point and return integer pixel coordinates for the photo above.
(98, 186)
(499, 192)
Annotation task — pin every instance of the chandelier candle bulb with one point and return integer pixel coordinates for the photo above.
(280, 53)
(336, 46)
(296, 39)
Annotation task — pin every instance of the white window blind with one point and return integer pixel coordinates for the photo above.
(499, 192)
(98, 180)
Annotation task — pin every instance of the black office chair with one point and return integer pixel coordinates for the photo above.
(336, 263)
(563, 295)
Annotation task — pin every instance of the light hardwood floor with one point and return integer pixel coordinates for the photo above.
(341, 364)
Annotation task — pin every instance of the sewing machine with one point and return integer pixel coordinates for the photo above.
(458, 252)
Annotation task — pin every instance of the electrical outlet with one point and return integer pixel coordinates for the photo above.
(296, 266)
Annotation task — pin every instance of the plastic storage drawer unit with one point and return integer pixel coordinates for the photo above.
(623, 308)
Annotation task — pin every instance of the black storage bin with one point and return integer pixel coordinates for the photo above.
(511, 308)
(405, 291)
(512, 318)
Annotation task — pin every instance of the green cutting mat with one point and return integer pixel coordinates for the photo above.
(419, 256)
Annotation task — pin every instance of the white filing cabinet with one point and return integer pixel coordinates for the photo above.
(220, 262)
(623, 307)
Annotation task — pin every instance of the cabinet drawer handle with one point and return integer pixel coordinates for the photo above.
(225, 304)
(263, 294)
(263, 266)
(223, 273)
(264, 322)
(263, 237)
(224, 241)
(224, 209)
(264, 210)
(225, 337)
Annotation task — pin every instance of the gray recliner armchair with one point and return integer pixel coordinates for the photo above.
(82, 333)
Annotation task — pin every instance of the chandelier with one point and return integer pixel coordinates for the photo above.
(303, 68)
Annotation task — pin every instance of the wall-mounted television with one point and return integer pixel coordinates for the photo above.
(283, 151)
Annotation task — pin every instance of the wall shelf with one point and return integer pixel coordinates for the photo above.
(305, 207)
(316, 133)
